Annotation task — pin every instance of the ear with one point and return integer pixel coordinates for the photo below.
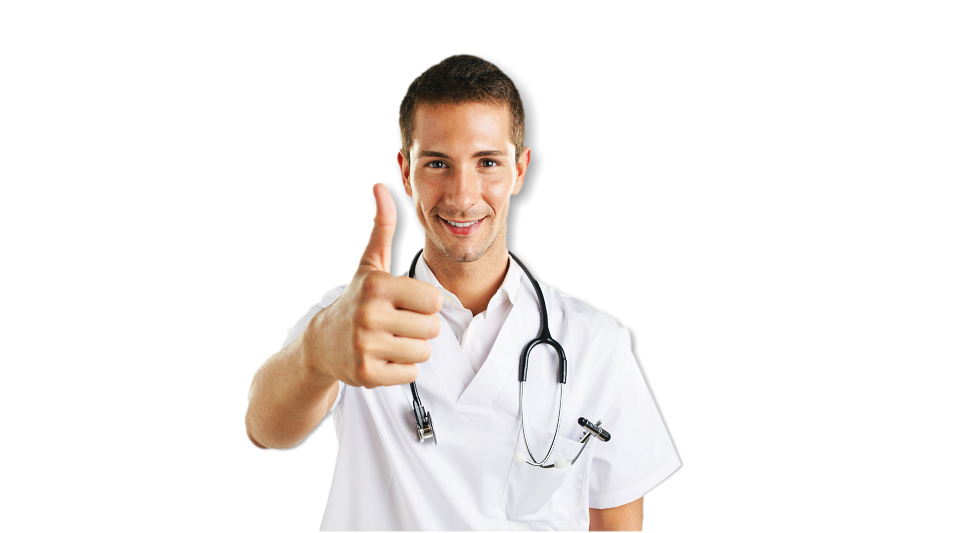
(405, 173)
(521, 170)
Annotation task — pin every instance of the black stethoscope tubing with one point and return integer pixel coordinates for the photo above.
(424, 422)
(542, 338)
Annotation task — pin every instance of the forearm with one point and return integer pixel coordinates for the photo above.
(627, 517)
(288, 397)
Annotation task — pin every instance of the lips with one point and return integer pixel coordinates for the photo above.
(465, 227)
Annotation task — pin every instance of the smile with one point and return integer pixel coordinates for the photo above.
(462, 229)
(461, 224)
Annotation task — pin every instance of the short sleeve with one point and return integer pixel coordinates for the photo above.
(301, 325)
(640, 453)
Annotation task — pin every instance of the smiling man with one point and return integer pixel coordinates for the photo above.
(461, 168)
(575, 445)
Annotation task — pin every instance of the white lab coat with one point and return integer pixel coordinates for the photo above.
(386, 479)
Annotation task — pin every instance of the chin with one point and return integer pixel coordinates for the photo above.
(462, 256)
(459, 254)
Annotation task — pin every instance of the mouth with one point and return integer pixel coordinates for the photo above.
(465, 227)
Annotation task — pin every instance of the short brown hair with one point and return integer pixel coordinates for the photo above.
(456, 80)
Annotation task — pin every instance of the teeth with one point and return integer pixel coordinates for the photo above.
(461, 225)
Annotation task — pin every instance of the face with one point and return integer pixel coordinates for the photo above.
(461, 174)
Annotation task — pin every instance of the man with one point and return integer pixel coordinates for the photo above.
(458, 328)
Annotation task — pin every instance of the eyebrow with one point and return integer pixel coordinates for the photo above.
(483, 153)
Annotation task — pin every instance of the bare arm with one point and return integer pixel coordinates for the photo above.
(627, 517)
(289, 396)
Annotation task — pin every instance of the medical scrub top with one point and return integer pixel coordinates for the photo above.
(386, 479)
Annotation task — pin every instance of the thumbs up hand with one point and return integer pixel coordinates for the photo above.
(377, 255)
(378, 329)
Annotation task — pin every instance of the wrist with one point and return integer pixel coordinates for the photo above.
(312, 359)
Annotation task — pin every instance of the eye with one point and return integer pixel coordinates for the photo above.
(436, 164)
(488, 163)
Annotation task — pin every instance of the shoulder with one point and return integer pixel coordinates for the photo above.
(598, 349)
(576, 313)
(584, 329)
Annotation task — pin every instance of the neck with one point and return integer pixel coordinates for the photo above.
(475, 282)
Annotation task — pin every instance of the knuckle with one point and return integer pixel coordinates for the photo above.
(360, 345)
(368, 289)
(365, 319)
(364, 375)
(358, 323)
(435, 327)
(373, 286)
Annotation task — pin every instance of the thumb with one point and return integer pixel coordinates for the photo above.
(377, 254)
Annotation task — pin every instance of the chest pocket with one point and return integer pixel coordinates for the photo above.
(546, 495)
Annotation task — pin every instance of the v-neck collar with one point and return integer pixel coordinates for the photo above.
(503, 363)
(465, 386)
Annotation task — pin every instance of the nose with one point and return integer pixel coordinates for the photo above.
(463, 191)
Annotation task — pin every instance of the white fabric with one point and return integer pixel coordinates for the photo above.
(385, 479)
(476, 333)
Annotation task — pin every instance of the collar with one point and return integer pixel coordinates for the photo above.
(509, 289)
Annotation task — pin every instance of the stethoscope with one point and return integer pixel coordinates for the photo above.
(425, 428)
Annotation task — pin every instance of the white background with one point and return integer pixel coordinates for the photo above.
(766, 196)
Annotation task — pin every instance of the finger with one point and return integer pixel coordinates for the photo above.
(396, 374)
(404, 350)
(415, 295)
(389, 348)
(377, 254)
(403, 323)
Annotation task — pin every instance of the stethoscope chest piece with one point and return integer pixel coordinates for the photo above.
(424, 422)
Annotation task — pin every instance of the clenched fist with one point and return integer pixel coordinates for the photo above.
(378, 329)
